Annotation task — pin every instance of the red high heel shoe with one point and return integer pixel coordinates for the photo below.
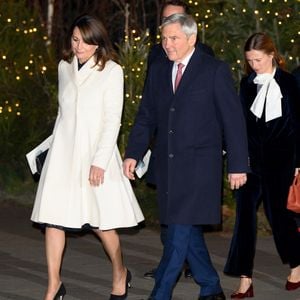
(292, 285)
(248, 294)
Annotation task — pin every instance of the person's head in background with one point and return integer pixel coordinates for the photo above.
(171, 7)
(261, 55)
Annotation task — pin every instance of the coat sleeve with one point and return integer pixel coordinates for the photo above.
(232, 121)
(295, 108)
(144, 124)
(60, 70)
(113, 104)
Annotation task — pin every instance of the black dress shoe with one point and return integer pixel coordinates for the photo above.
(150, 274)
(188, 273)
(219, 296)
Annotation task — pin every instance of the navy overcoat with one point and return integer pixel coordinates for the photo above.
(192, 125)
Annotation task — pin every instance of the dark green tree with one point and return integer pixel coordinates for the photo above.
(27, 93)
(225, 26)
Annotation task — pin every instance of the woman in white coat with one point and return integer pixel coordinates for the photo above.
(82, 184)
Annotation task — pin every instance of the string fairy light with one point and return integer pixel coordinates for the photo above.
(15, 68)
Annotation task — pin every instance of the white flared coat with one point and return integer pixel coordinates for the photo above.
(85, 134)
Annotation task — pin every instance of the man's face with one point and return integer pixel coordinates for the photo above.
(175, 42)
(171, 10)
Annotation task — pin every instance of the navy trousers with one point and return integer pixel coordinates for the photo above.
(185, 242)
(272, 190)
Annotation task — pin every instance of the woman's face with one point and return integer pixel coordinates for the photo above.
(81, 50)
(259, 61)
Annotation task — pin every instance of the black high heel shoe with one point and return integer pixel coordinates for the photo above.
(60, 293)
(127, 285)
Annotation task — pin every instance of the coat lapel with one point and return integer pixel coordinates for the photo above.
(169, 76)
(191, 71)
(85, 72)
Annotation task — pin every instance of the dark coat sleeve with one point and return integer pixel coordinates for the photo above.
(295, 109)
(144, 124)
(232, 119)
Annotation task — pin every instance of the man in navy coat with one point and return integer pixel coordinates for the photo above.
(158, 54)
(191, 123)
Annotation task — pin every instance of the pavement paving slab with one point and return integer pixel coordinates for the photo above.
(86, 271)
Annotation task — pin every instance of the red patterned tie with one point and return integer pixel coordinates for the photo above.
(178, 75)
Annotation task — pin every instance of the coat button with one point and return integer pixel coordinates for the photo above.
(171, 155)
(171, 131)
(172, 109)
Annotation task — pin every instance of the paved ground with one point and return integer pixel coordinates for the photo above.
(86, 271)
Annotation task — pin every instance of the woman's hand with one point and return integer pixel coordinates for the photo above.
(96, 176)
(297, 170)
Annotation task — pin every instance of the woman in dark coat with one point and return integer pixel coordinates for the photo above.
(272, 110)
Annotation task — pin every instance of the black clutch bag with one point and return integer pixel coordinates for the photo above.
(40, 160)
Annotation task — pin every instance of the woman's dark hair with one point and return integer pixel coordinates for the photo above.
(262, 42)
(93, 33)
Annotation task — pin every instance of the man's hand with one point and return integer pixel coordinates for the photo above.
(96, 176)
(236, 180)
(129, 167)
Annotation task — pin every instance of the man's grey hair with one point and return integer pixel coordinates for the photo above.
(188, 24)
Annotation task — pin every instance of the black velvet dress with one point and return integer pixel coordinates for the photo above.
(274, 153)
